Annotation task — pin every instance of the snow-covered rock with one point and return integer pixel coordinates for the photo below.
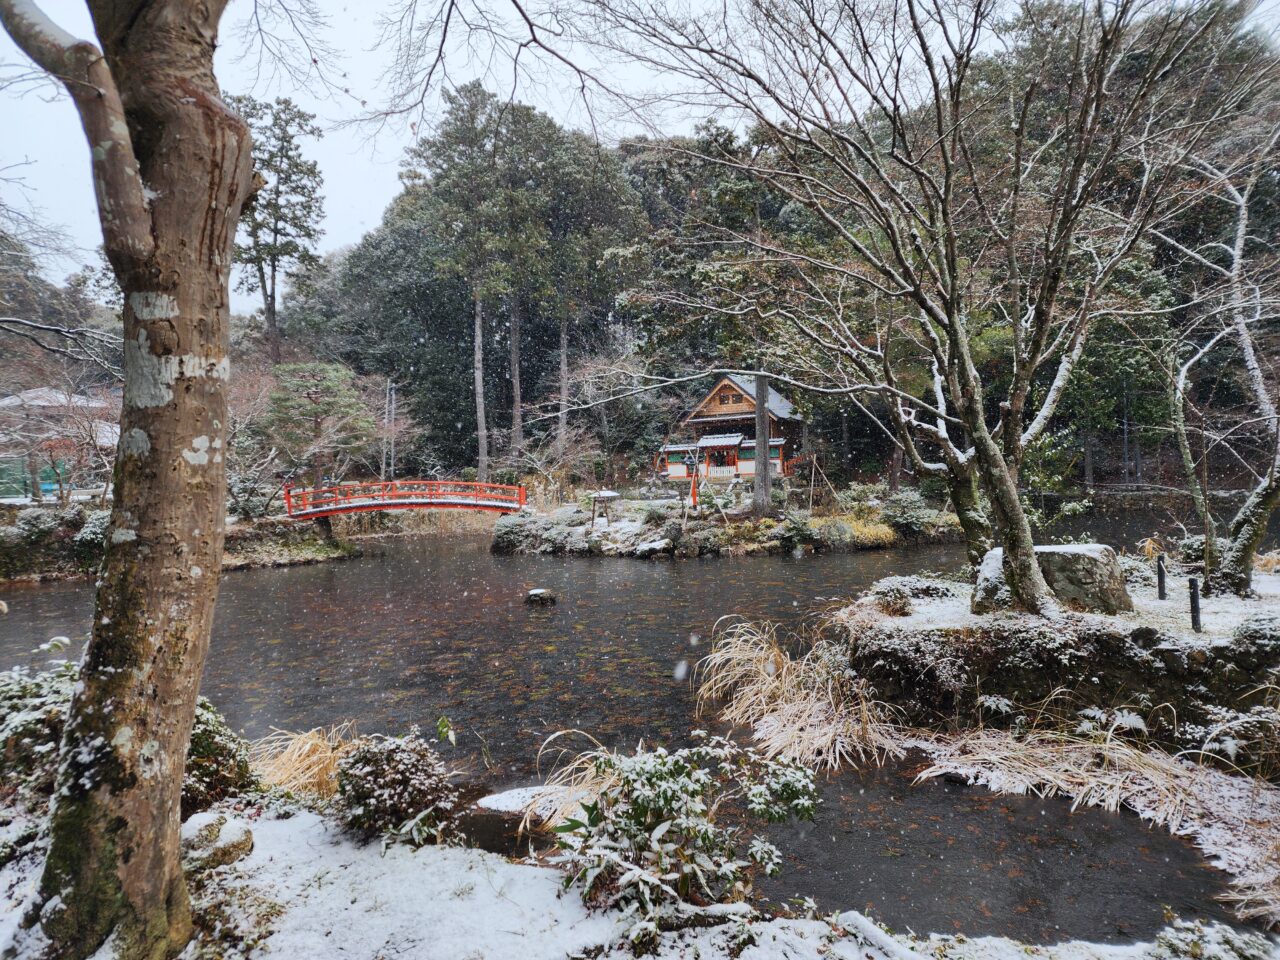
(653, 548)
(541, 597)
(1084, 576)
(213, 839)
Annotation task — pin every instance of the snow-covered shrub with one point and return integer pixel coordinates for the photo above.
(653, 842)
(861, 499)
(1256, 641)
(907, 512)
(397, 788)
(217, 762)
(1191, 549)
(89, 539)
(246, 499)
(795, 528)
(915, 587)
(892, 599)
(36, 524)
(33, 709)
(1138, 571)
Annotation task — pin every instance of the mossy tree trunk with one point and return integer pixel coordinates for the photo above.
(1234, 571)
(171, 169)
(973, 519)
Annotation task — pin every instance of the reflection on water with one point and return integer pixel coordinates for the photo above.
(434, 627)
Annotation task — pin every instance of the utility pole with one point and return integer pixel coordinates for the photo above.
(388, 468)
(761, 499)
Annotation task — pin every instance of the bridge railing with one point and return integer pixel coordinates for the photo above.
(402, 494)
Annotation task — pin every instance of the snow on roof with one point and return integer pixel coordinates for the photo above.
(678, 447)
(106, 433)
(49, 397)
(778, 405)
(720, 440)
(773, 442)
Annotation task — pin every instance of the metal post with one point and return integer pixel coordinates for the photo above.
(1195, 604)
(386, 409)
(1160, 575)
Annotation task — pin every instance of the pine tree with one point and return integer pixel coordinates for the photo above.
(279, 229)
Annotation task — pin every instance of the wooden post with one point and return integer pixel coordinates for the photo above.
(1162, 593)
(1195, 604)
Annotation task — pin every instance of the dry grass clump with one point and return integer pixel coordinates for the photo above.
(578, 779)
(1256, 894)
(1267, 562)
(1102, 770)
(804, 709)
(305, 762)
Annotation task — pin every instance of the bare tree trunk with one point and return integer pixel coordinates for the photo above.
(33, 474)
(517, 401)
(149, 104)
(562, 417)
(1248, 527)
(1088, 461)
(895, 470)
(268, 287)
(482, 426)
(762, 490)
(1199, 495)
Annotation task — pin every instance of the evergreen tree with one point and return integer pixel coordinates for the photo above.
(280, 226)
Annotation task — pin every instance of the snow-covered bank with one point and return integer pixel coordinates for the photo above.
(308, 891)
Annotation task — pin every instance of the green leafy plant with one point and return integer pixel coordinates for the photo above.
(649, 832)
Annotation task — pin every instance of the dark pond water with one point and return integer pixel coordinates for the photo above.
(430, 627)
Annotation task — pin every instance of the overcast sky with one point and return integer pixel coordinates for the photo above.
(360, 165)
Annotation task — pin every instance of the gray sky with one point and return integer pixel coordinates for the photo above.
(359, 164)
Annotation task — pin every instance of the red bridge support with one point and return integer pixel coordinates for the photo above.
(306, 503)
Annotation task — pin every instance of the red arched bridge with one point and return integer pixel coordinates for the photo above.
(305, 503)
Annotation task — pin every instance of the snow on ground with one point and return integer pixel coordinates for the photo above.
(545, 800)
(18, 876)
(1220, 614)
(337, 898)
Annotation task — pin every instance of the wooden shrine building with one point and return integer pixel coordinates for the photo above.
(721, 435)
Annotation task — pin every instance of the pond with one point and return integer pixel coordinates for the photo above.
(420, 629)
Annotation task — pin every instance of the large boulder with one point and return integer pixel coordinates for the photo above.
(1084, 576)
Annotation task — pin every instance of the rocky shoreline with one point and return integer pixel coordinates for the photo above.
(42, 544)
(657, 529)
